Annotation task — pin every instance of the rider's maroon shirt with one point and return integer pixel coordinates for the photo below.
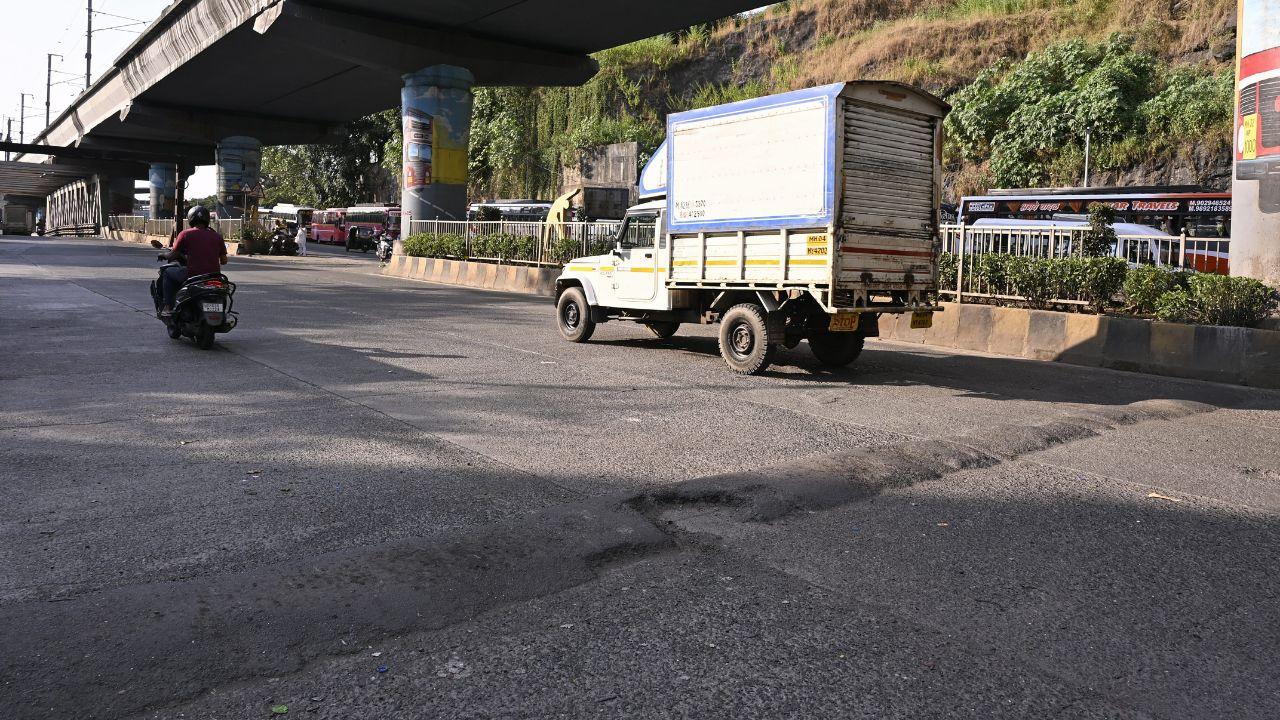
(203, 249)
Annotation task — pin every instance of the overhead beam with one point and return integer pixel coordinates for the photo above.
(401, 47)
(212, 125)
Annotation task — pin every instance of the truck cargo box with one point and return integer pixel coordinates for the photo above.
(834, 188)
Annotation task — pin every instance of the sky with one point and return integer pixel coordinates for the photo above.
(33, 28)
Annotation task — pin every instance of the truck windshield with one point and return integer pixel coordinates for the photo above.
(638, 231)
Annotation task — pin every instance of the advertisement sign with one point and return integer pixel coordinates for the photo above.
(417, 149)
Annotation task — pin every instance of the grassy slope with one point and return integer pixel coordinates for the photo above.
(940, 45)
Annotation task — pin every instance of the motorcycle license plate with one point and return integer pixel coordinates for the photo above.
(212, 307)
(844, 322)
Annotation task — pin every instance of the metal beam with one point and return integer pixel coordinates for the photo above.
(213, 125)
(402, 47)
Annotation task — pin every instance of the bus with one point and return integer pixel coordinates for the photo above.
(334, 225)
(1172, 210)
(1257, 146)
(1176, 226)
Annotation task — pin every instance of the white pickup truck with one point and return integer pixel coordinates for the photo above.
(799, 216)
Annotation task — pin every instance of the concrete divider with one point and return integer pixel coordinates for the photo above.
(1242, 356)
(490, 276)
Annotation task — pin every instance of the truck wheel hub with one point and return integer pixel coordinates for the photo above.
(741, 339)
(571, 315)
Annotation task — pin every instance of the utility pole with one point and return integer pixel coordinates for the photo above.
(1087, 133)
(48, 88)
(88, 45)
(8, 136)
(22, 117)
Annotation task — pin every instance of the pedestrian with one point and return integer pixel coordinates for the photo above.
(301, 239)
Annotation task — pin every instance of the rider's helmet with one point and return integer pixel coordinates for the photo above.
(199, 215)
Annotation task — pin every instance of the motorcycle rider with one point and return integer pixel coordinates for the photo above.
(204, 250)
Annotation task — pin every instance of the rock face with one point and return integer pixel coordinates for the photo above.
(1207, 167)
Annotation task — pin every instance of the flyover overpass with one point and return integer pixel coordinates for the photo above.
(214, 80)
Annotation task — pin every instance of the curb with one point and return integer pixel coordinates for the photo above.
(1239, 356)
(488, 276)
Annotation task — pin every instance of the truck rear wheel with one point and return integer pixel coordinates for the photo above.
(836, 349)
(744, 339)
(663, 329)
(573, 315)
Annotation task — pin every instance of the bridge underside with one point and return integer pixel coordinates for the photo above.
(288, 72)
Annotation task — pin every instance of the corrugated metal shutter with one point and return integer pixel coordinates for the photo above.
(888, 171)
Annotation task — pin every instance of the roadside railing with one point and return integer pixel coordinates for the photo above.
(127, 223)
(982, 257)
(527, 243)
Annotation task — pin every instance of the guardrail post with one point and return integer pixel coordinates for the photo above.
(1182, 249)
(960, 264)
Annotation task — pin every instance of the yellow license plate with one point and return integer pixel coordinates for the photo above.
(921, 320)
(844, 322)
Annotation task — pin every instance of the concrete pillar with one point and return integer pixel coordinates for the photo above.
(239, 170)
(120, 196)
(164, 187)
(436, 111)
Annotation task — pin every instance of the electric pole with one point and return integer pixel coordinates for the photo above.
(8, 136)
(48, 88)
(88, 45)
(22, 117)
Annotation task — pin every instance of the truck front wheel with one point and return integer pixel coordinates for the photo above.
(573, 315)
(836, 349)
(744, 339)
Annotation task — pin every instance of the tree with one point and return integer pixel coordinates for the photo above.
(356, 169)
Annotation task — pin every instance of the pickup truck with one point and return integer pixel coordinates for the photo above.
(798, 216)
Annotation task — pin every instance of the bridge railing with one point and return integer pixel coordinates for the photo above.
(979, 255)
(128, 223)
(506, 241)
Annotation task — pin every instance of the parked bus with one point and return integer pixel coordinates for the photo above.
(1171, 210)
(1150, 221)
(515, 210)
(1257, 146)
(335, 225)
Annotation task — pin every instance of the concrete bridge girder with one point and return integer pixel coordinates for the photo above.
(400, 48)
(212, 126)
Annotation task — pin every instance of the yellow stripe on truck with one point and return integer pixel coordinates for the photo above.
(582, 268)
(734, 263)
(648, 269)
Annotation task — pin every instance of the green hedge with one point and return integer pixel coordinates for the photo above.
(1102, 282)
(435, 245)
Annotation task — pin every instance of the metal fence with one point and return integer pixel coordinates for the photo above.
(980, 253)
(128, 223)
(229, 229)
(528, 243)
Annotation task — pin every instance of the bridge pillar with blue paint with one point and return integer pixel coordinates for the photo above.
(239, 162)
(436, 112)
(164, 190)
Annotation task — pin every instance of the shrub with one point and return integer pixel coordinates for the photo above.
(1175, 306)
(1236, 301)
(947, 268)
(1103, 278)
(1144, 285)
(435, 245)
(992, 270)
(1101, 239)
(255, 240)
(1034, 279)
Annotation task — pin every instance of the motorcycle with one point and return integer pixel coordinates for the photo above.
(360, 238)
(283, 243)
(201, 308)
(383, 251)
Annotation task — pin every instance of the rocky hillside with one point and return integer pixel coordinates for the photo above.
(1026, 77)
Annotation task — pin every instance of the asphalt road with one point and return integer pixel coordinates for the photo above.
(382, 498)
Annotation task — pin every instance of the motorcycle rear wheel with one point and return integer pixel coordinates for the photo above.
(204, 337)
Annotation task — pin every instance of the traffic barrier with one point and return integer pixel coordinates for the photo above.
(507, 278)
(1240, 356)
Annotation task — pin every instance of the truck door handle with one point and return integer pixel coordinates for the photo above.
(648, 256)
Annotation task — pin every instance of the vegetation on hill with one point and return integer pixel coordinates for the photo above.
(1026, 77)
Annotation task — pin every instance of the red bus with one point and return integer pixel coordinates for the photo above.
(335, 225)
(1203, 217)
(1257, 146)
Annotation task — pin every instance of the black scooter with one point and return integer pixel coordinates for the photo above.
(283, 243)
(201, 308)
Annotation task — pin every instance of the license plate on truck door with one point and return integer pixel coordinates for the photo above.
(844, 322)
(921, 320)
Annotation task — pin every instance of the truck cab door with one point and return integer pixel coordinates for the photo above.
(636, 278)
